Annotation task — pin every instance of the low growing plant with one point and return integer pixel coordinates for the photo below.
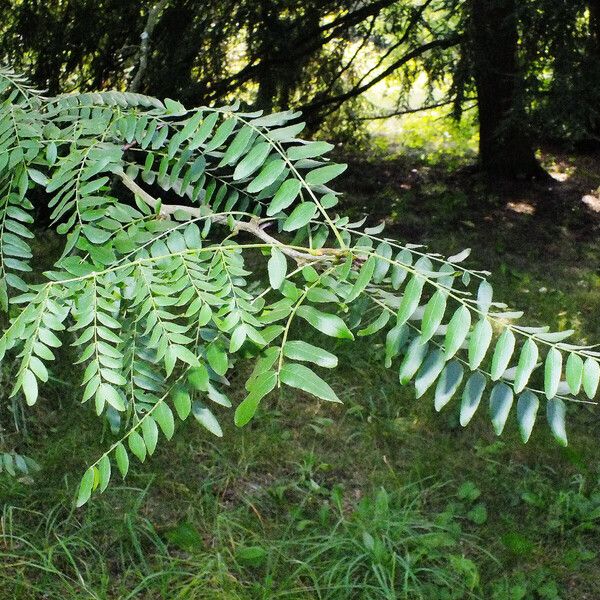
(160, 299)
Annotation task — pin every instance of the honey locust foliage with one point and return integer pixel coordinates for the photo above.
(159, 300)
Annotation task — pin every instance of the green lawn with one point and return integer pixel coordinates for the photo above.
(377, 498)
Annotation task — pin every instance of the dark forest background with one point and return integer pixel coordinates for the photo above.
(530, 69)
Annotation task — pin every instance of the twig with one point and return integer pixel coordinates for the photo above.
(253, 226)
(405, 111)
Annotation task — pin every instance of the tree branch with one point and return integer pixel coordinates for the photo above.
(356, 91)
(357, 16)
(405, 111)
(333, 29)
(253, 226)
(415, 19)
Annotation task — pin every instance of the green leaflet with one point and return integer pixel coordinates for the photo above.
(460, 257)
(30, 387)
(252, 161)
(527, 362)
(310, 274)
(379, 323)
(527, 407)
(238, 337)
(107, 393)
(206, 418)
(471, 397)
(555, 413)
(552, 372)
(410, 300)
(433, 315)
(591, 377)
(260, 386)
(399, 274)
(448, 384)
(505, 347)
(150, 434)
(286, 133)
(122, 459)
(274, 119)
(104, 472)
(415, 354)
(203, 131)
(285, 195)
(302, 351)
(325, 174)
(277, 268)
(501, 400)
(479, 342)
(317, 294)
(383, 264)
(394, 342)
(217, 358)
(300, 216)
(303, 378)
(328, 201)
(574, 373)
(198, 378)
(218, 397)
(269, 174)
(237, 145)
(424, 266)
(223, 131)
(194, 121)
(458, 329)
(95, 235)
(309, 150)
(429, 371)
(137, 446)
(182, 403)
(326, 323)
(364, 277)
(85, 487)
(163, 415)
(484, 297)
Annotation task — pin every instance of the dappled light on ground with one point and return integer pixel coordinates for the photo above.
(523, 208)
(592, 202)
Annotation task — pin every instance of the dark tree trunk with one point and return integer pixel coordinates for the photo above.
(267, 79)
(594, 64)
(594, 8)
(284, 51)
(505, 148)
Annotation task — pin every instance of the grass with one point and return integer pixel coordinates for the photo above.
(380, 498)
(381, 549)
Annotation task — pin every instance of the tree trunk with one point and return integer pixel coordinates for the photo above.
(505, 148)
(594, 64)
(594, 8)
